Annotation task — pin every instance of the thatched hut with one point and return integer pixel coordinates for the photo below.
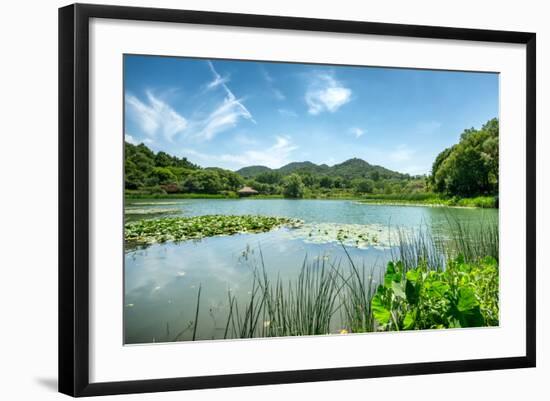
(247, 191)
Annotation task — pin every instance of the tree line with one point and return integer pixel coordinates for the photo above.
(158, 173)
(466, 169)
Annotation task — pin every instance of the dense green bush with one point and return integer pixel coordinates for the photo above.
(469, 168)
(293, 187)
(462, 295)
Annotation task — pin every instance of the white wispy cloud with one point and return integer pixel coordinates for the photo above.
(287, 113)
(358, 132)
(226, 115)
(217, 81)
(134, 141)
(274, 156)
(130, 139)
(277, 93)
(325, 93)
(155, 115)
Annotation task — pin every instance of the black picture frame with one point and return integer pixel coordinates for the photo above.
(74, 198)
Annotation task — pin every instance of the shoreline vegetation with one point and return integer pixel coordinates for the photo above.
(424, 199)
(463, 175)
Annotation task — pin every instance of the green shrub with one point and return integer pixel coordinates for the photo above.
(463, 295)
(293, 187)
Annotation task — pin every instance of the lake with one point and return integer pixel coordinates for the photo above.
(161, 281)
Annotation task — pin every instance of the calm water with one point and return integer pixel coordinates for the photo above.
(162, 280)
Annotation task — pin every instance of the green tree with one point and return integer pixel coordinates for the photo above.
(163, 175)
(469, 168)
(338, 182)
(293, 186)
(203, 181)
(230, 181)
(363, 185)
(269, 177)
(163, 159)
(326, 182)
(308, 179)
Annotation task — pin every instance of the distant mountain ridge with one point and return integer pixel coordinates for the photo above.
(352, 168)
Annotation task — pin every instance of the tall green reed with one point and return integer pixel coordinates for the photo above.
(330, 296)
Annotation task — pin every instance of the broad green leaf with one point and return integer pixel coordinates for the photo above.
(379, 311)
(466, 299)
(398, 289)
(414, 275)
(437, 289)
(409, 321)
(469, 312)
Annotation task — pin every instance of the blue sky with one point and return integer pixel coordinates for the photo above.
(233, 114)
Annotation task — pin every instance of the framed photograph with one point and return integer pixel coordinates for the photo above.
(251, 199)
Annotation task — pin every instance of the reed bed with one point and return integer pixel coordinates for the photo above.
(336, 296)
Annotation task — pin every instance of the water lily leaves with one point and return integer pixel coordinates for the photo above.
(361, 236)
(150, 211)
(187, 228)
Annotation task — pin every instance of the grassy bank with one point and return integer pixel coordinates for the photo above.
(129, 194)
(431, 199)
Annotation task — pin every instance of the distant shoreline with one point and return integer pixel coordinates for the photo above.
(486, 202)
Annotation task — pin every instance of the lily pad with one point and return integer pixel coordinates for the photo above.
(149, 211)
(354, 235)
(189, 228)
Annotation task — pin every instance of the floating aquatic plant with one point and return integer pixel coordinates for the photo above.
(353, 235)
(187, 228)
(137, 211)
(154, 203)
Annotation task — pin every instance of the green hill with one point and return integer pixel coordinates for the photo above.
(253, 171)
(350, 169)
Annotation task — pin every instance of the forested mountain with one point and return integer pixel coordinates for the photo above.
(253, 171)
(150, 172)
(350, 169)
